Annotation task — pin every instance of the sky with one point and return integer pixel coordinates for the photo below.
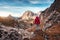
(17, 7)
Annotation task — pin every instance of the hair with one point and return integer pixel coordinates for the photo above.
(25, 39)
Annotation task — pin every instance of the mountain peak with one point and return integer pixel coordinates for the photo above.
(28, 15)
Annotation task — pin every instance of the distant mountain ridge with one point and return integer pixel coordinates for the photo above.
(8, 21)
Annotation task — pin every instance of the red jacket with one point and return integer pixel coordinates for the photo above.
(37, 20)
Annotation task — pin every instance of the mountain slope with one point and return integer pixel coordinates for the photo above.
(51, 17)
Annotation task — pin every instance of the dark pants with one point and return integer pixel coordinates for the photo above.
(37, 26)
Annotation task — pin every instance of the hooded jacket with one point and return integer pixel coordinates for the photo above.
(37, 20)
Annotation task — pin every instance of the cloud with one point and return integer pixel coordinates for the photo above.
(18, 7)
(34, 2)
(40, 1)
(18, 11)
(25, 2)
(4, 13)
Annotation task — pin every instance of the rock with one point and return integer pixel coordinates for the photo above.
(51, 16)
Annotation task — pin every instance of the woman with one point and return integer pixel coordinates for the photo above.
(37, 22)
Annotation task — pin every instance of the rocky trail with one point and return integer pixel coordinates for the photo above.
(9, 33)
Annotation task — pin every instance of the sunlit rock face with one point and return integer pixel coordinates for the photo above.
(28, 15)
